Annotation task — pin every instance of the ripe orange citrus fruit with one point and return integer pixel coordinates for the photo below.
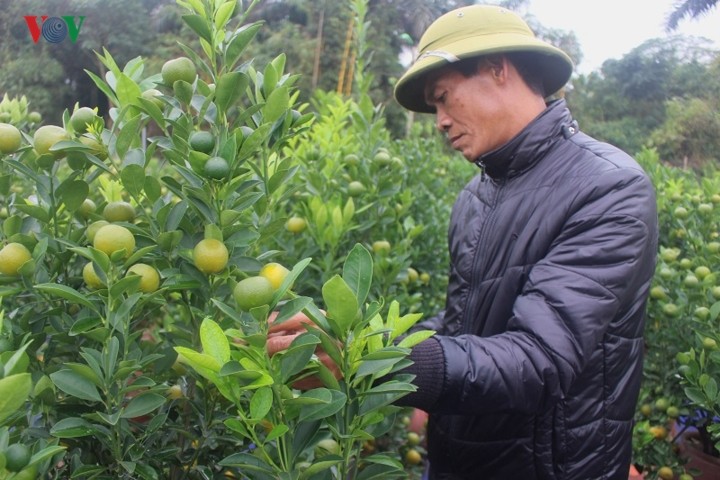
(210, 256)
(296, 224)
(150, 279)
(47, 136)
(10, 138)
(119, 211)
(12, 257)
(274, 272)
(253, 292)
(81, 118)
(202, 141)
(112, 238)
(181, 68)
(91, 278)
(216, 168)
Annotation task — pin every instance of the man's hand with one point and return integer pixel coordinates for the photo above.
(280, 336)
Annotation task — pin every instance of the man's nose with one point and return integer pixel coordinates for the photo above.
(442, 121)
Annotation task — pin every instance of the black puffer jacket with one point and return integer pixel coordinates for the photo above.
(552, 254)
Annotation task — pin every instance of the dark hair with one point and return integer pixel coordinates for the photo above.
(526, 63)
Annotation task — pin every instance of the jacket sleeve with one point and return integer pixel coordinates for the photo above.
(598, 268)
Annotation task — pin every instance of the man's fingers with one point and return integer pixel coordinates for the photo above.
(295, 322)
(278, 343)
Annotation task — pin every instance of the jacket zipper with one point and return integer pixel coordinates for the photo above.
(478, 259)
(481, 165)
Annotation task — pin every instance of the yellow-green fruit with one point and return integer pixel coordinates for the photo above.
(181, 68)
(153, 94)
(10, 138)
(119, 211)
(274, 272)
(381, 247)
(296, 224)
(97, 148)
(327, 446)
(34, 117)
(81, 118)
(93, 228)
(253, 292)
(47, 136)
(210, 256)
(150, 279)
(112, 238)
(91, 278)
(355, 188)
(12, 257)
(413, 275)
(87, 208)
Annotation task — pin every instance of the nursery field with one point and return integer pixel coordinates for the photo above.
(149, 255)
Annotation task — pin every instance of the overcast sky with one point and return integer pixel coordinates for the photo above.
(611, 28)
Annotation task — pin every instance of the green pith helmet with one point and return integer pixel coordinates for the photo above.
(474, 31)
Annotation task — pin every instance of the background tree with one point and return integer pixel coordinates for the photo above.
(688, 9)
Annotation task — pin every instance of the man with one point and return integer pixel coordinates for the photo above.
(535, 369)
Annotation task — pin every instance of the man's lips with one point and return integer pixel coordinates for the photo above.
(454, 139)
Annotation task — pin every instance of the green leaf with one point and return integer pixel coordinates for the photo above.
(415, 338)
(261, 402)
(14, 390)
(224, 13)
(199, 25)
(143, 404)
(358, 272)
(68, 293)
(73, 193)
(277, 432)
(127, 90)
(75, 385)
(245, 461)
(341, 303)
(239, 41)
(214, 341)
(72, 427)
(328, 407)
(133, 179)
(370, 367)
(128, 135)
(297, 356)
(254, 141)
(34, 211)
(199, 361)
(230, 87)
(276, 104)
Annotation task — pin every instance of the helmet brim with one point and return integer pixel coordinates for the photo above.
(555, 65)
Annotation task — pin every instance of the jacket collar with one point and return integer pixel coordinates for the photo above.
(531, 144)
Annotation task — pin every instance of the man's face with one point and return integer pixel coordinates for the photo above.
(471, 111)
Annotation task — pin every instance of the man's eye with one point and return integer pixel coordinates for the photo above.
(441, 98)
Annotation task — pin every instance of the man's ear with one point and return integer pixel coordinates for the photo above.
(497, 64)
